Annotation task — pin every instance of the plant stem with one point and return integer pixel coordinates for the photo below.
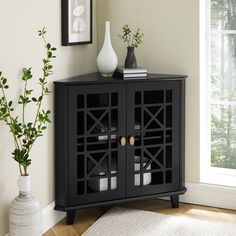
(128, 40)
(39, 106)
(20, 170)
(23, 109)
(25, 170)
(42, 91)
(132, 42)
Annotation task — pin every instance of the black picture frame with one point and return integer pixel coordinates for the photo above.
(77, 22)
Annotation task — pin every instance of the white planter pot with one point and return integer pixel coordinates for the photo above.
(25, 216)
(107, 59)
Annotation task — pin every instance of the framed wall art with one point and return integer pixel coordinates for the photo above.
(77, 23)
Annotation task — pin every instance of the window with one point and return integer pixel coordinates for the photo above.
(223, 83)
(221, 87)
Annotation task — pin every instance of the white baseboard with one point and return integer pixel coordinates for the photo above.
(197, 193)
(210, 195)
(50, 217)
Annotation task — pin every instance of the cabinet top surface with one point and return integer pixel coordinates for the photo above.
(98, 78)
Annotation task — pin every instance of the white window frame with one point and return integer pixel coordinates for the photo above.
(209, 174)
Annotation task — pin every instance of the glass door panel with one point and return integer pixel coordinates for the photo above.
(97, 161)
(153, 121)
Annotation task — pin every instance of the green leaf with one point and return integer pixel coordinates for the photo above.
(48, 46)
(40, 98)
(28, 92)
(49, 54)
(30, 124)
(41, 80)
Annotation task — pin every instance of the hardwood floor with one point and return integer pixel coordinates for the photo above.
(85, 218)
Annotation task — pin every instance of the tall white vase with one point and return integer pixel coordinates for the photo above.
(25, 217)
(107, 59)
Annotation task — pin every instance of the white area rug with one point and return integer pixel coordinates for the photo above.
(129, 222)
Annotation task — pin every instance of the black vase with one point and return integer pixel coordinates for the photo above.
(130, 60)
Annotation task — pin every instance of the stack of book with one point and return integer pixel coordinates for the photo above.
(130, 73)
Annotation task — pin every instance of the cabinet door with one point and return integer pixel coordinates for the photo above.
(96, 159)
(153, 161)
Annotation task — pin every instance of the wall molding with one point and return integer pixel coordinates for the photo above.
(210, 195)
(197, 193)
(50, 217)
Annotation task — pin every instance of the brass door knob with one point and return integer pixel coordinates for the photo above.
(131, 140)
(123, 141)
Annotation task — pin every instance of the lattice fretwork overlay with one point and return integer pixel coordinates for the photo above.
(153, 138)
(97, 142)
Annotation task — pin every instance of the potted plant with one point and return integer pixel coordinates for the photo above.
(132, 41)
(25, 211)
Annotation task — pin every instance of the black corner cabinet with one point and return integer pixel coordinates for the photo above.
(118, 141)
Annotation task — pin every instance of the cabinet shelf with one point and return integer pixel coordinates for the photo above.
(97, 177)
(153, 171)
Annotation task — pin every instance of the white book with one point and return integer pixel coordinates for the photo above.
(131, 70)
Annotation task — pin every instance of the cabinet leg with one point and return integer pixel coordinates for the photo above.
(174, 201)
(70, 216)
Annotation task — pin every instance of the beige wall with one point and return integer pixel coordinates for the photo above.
(21, 47)
(171, 45)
